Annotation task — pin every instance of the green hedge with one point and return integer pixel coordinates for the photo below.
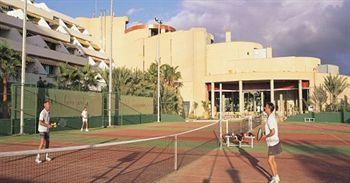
(5, 127)
(30, 124)
(336, 117)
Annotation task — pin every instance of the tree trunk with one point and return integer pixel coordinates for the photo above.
(5, 111)
(4, 92)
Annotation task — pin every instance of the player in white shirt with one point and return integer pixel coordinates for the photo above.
(44, 130)
(84, 117)
(272, 140)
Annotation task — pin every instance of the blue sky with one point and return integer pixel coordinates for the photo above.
(137, 10)
(311, 28)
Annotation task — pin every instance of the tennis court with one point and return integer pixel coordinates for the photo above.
(110, 154)
(312, 152)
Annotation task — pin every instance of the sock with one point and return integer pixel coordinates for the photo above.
(38, 156)
(47, 155)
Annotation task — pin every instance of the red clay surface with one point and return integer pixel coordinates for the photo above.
(227, 166)
(309, 164)
(305, 158)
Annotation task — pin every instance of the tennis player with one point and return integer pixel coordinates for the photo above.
(44, 130)
(84, 117)
(272, 140)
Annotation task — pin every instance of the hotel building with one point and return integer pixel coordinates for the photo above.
(247, 71)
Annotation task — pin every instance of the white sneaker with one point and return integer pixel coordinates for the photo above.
(38, 161)
(81, 130)
(272, 180)
(277, 179)
(87, 130)
(48, 158)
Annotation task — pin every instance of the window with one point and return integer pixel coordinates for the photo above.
(50, 70)
(52, 46)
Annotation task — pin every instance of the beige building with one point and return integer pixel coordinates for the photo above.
(52, 39)
(248, 72)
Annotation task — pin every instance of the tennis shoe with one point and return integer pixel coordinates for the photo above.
(277, 179)
(37, 160)
(48, 158)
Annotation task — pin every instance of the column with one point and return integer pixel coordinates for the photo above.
(241, 97)
(262, 101)
(221, 115)
(281, 105)
(254, 103)
(212, 91)
(300, 89)
(272, 91)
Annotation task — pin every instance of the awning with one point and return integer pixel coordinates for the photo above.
(95, 46)
(48, 62)
(51, 40)
(69, 45)
(83, 42)
(4, 27)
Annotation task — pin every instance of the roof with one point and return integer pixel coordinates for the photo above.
(150, 26)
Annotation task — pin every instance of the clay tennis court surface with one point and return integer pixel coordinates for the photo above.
(312, 153)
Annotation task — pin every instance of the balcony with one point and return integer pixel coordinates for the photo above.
(31, 27)
(46, 53)
(31, 8)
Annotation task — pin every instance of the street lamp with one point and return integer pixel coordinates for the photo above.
(23, 71)
(158, 70)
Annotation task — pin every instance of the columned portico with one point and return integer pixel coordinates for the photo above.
(250, 96)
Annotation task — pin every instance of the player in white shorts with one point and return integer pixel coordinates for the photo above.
(84, 117)
(44, 130)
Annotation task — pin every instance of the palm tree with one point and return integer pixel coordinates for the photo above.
(89, 77)
(319, 97)
(121, 79)
(139, 85)
(335, 85)
(171, 75)
(10, 64)
(69, 77)
(170, 99)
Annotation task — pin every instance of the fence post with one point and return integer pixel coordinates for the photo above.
(175, 157)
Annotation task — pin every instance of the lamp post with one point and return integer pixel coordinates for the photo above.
(110, 72)
(158, 70)
(23, 71)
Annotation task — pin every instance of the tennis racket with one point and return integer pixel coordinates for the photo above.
(61, 123)
(259, 134)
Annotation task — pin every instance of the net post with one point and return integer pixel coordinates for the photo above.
(175, 156)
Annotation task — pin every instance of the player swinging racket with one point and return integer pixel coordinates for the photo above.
(44, 130)
(272, 140)
(84, 116)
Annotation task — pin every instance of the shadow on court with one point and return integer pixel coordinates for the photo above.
(323, 163)
(254, 163)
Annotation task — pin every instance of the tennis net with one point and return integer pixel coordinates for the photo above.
(238, 126)
(140, 160)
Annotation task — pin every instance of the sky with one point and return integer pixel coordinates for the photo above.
(313, 28)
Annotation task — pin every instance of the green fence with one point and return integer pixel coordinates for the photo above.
(67, 105)
(337, 117)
